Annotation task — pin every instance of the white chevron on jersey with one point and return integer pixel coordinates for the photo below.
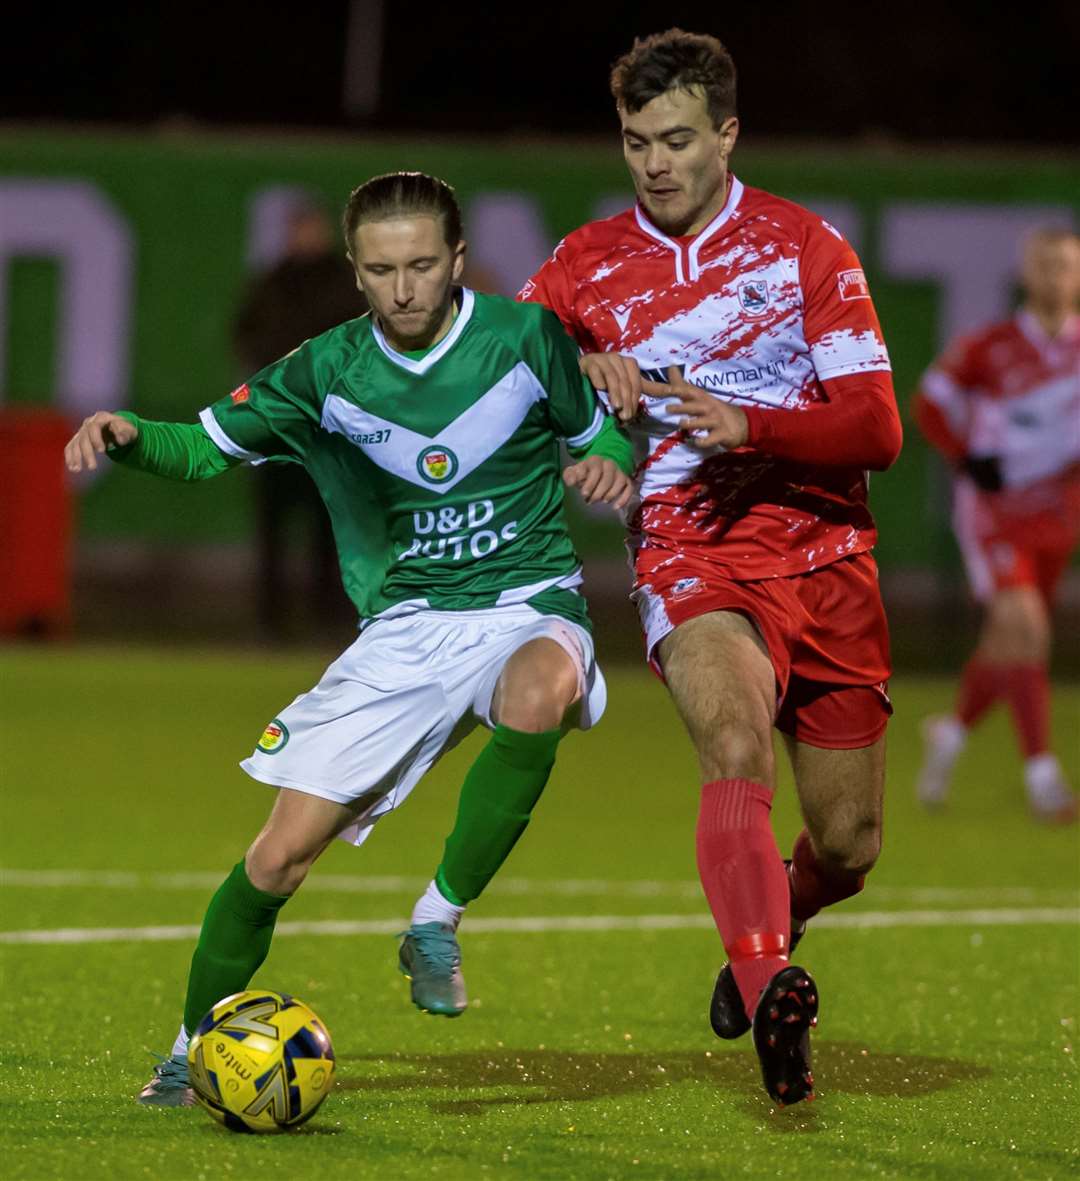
(473, 436)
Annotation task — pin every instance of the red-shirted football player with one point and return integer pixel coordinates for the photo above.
(734, 331)
(1003, 407)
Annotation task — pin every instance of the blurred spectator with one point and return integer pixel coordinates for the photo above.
(1003, 407)
(312, 288)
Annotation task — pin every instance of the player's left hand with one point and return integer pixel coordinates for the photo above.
(709, 421)
(599, 480)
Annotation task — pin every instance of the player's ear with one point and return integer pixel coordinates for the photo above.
(356, 272)
(729, 133)
(459, 261)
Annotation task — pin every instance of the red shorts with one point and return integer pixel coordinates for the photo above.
(1023, 538)
(825, 632)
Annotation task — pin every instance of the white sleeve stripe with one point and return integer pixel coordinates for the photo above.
(847, 351)
(222, 440)
(871, 365)
(590, 432)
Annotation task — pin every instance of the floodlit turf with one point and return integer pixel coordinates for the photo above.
(944, 1050)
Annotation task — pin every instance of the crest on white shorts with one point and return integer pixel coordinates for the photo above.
(274, 737)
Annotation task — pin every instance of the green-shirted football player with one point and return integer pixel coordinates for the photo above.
(431, 427)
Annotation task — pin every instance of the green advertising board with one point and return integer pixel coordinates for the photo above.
(123, 256)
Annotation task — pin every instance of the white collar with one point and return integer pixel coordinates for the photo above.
(439, 351)
(734, 196)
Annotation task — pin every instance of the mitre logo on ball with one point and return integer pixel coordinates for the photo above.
(261, 1061)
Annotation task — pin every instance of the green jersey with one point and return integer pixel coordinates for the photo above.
(442, 474)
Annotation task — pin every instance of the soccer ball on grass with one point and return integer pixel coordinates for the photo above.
(261, 1062)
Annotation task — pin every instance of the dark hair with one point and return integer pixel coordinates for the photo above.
(403, 194)
(673, 59)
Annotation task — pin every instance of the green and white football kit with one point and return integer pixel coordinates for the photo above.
(404, 693)
(442, 478)
(441, 473)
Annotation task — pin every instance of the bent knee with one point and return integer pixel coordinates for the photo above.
(850, 852)
(538, 707)
(533, 717)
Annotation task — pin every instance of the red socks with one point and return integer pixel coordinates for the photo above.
(1026, 688)
(812, 885)
(980, 687)
(743, 877)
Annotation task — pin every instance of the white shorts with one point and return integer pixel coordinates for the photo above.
(409, 689)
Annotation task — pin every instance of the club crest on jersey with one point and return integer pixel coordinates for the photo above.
(240, 394)
(754, 296)
(274, 737)
(437, 464)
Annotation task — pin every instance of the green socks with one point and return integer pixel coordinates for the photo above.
(497, 798)
(235, 938)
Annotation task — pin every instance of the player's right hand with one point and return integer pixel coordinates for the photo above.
(619, 377)
(94, 437)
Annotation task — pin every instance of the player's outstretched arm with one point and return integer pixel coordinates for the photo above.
(858, 427)
(174, 450)
(97, 434)
(619, 377)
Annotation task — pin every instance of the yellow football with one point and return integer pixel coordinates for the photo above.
(261, 1061)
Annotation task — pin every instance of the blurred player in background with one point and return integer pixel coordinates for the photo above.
(1003, 407)
(431, 429)
(768, 396)
(310, 289)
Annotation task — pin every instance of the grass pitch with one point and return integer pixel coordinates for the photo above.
(946, 1047)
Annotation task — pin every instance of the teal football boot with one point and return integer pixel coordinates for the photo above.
(431, 959)
(170, 1086)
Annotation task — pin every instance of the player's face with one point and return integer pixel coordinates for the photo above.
(1051, 274)
(407, 271)
(678, 159)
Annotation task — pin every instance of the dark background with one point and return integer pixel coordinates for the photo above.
(911, 72)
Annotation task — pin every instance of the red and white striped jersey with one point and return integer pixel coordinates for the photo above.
(1012, 392)
(762, 307)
